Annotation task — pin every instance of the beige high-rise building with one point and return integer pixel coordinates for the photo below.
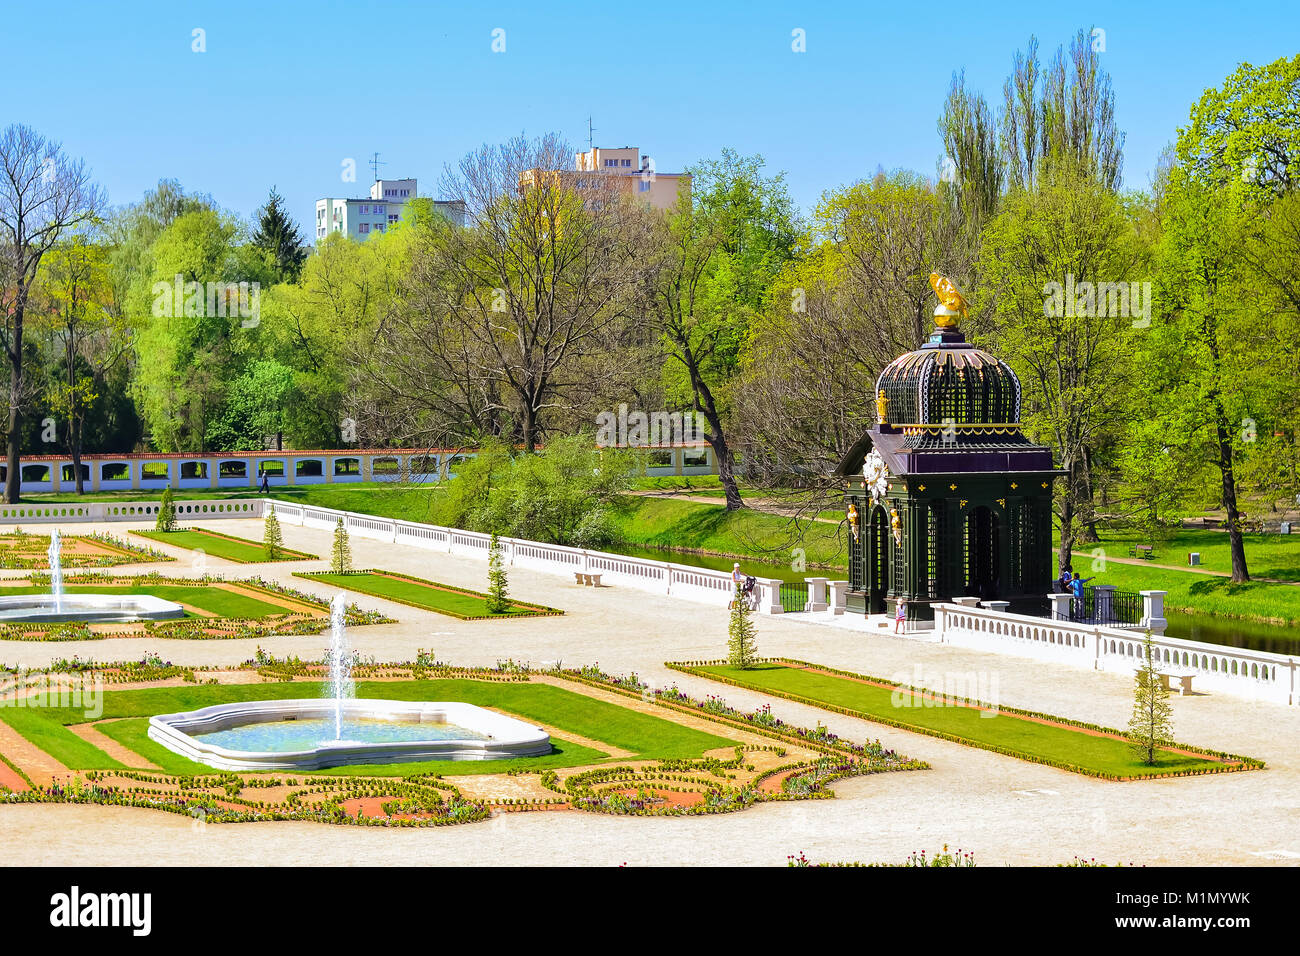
(635, 174)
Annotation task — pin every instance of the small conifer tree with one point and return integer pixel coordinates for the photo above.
(166, 513)
(272, 539)
(1151, 726)
(497, 601)
(741, 650)
(341, 559)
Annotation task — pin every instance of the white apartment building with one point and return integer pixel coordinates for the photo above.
(360, 218)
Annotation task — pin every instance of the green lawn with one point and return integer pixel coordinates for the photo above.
(1267, 555)
(1202, 593)
(461, 604)
(221, 546)
(670, 523)
(647, 736)
(1027, 739)
(215, 600)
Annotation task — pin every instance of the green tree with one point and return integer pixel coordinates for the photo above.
(341, 556)
(1205, 361)
(1150, 729)
(166, 512)
(192, 343)
(498, 601)
(44, 195)
(715, 257)
(741, 633)
(1245, 134)
(272, 537)
(1063, 241)
(277, 235)
(563, 494)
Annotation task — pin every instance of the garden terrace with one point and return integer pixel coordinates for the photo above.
(1040, 738)
(613, 753)
(213, 609)
(456, 602)
(26, 551)
(227, 546)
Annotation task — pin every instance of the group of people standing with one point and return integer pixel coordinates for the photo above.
(1070, 583)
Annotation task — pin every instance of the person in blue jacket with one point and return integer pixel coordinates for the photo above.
(1076, 588)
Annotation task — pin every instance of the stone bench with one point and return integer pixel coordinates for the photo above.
(580, 577)
(1184, 679)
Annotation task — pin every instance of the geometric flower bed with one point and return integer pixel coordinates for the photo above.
(619, 749)
(24, 551)
(1040, 738)
(455, 602)
(214, 609)
(239, 550)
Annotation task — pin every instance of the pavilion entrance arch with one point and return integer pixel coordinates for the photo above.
(877, 561)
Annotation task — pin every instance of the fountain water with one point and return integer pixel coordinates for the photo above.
(56, 570)
(293, 734)
(341, 686)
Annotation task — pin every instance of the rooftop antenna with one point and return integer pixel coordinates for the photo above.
(374, 164)
(590, 129)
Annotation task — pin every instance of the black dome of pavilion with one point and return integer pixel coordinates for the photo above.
(950, 389)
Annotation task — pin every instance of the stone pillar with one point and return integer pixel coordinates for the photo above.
(1104, 603)
(967, 601)
(999, 606)
(816, 594)
(838, 595)
(1153, 611)
(769, 601)
(1060, 604)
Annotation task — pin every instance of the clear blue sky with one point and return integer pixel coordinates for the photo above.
(287, 90)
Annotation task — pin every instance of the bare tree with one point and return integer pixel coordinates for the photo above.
(43, 194)
(501, 314)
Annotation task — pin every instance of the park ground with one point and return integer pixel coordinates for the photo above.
(1004, 809)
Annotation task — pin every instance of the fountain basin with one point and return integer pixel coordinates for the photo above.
(455, 731)
(40, 608)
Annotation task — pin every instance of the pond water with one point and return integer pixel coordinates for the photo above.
(1233, 632)
(292, 736)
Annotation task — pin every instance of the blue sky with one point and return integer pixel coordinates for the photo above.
(288, 90)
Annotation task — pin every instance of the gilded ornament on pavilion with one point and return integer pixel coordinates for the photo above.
(952, 304)
(882, 404)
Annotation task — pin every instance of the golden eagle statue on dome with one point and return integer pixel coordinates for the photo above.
(951, 302)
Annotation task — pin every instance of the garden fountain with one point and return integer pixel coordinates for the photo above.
(57, 607)
(339, 728)
(55, 554)
(341, 686)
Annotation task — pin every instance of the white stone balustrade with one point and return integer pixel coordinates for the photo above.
(816, 594)
(1216, 668)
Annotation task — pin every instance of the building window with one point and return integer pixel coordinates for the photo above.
(363, 227)
(627, 162)
(643, 186)
(392, 218)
